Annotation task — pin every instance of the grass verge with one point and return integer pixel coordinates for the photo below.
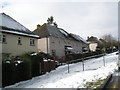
(94, 84)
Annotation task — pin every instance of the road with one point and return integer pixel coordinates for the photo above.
(114, 82)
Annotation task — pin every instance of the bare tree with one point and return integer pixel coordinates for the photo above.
(110, 42)
(51, 21)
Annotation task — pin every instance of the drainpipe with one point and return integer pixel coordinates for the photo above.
(47, 44)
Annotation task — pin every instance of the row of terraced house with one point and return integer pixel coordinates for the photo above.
(17, 39)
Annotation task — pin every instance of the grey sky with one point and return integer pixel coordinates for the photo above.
(82, 18)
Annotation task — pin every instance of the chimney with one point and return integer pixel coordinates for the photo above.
(88, 37)
(38, 26)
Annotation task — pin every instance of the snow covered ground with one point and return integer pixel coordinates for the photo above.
(77, 78)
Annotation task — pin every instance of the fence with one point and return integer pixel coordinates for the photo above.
(83, 59)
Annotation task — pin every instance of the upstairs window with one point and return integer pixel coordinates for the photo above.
(19, 41)
(32, 42)
(3, 38)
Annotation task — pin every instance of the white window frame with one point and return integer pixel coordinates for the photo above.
(32, 42)
(19, 41)
(3, 38)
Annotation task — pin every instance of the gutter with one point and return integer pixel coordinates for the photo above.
(20, 33)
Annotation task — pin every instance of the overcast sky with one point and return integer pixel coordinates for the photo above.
(79, 17)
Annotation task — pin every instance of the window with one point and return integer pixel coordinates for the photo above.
(53, 52)
(68, 50)
(84, 49)
(32, 42)
(3, 38)
(53, 42)
(19, 41)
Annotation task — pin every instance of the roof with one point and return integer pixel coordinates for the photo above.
(49, 30)
(9, 25)
(77, 37)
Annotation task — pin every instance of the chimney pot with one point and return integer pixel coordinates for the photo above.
(38, 26)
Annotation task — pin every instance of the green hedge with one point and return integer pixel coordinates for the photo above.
(82, 55)
(24, 67)
(14, 71)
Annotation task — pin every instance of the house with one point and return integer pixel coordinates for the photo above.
(57, 42)
(93, 43)
(93, 46)
(16, 39)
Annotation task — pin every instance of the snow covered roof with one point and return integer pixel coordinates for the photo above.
(8, 24)
(64, 32)
(49, 30)
(77, 37)
(19, 33)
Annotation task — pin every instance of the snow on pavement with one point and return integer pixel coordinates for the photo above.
(77, 78)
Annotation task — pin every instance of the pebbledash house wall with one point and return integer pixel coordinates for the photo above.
(49, 44)
(42, 45)
(11, 46)
(58, 44)
(93, 46)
